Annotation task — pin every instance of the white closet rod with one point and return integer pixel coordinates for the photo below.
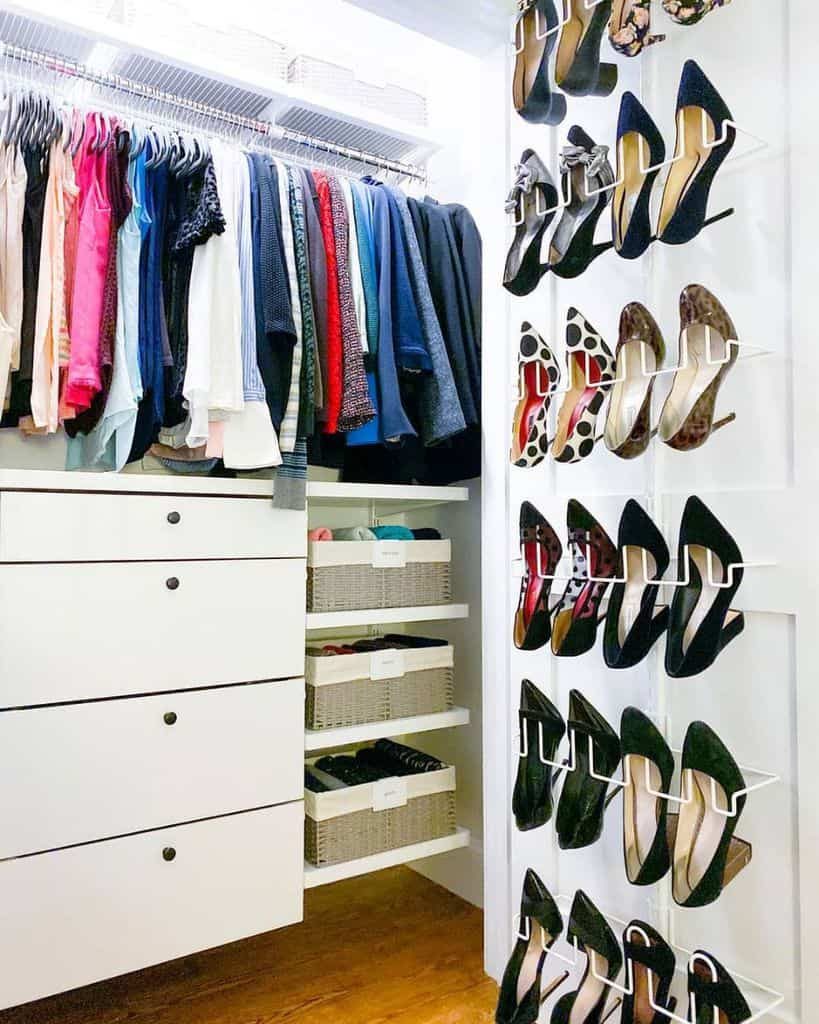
(270, 132)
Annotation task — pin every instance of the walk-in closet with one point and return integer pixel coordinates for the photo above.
(407, 474)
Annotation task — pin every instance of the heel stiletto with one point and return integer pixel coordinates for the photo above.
(685, 198)
(711, 999)
(594, 937)
(591, 369)
(633, 624)
(639, 145)
(707, 857)
(532, 93)
(640, 346)
(594, 557)
(521, 992)
(648, 764)
(534, 194)
(630, 27)
(578, 71)
(542, 551)
(582, 803)
(706, 334)
(702, 622)
(586, 180)
(539, 375)
(540, 723)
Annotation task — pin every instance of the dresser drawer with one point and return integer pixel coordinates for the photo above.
(82, 772)
(75, 632)
(77, 916)
(63, 527)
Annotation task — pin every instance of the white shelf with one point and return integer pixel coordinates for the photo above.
(326, 738)
(382, 616)
(314, 877)
(385, 496)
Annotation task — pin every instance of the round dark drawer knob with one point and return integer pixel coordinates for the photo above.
(174, 518)
(172, 583)
(169, 854)
(170, 718)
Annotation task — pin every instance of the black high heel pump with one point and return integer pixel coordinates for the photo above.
(649, 954)
(702, 622)
(590, 930)
(713, 998)
(633, 624)
(648, 767)
(586, 180)
(542, 551)
(707, 854)
(541, 729)
(583, 799)
(533, 200)
(640, 149)
(578, 71)
(704, 139)
(536, 35)
(522, 993)
(594, 556)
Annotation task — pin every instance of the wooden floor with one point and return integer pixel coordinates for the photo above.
(391, 947)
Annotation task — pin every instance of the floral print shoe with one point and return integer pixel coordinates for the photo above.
(630, 27)
(689, 12)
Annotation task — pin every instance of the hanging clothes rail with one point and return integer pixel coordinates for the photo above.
(265, 130)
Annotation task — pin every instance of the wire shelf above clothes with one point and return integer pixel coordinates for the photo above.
(272, 115)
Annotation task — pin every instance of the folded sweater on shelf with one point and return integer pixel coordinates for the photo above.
(366, 533)
(386, 759)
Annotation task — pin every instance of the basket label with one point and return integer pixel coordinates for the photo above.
(389, 793)
(387, 665)
(389, 554)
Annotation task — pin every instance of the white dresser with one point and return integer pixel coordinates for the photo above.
(151, 722)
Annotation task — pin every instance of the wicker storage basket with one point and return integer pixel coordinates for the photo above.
(359, 821)
(353, 689)
(393, 100)
(345, 576)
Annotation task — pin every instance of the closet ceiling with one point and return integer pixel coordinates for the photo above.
(474, 25)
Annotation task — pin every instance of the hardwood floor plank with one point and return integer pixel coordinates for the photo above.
(390, 948)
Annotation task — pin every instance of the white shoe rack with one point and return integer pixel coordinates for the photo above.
(759, 475)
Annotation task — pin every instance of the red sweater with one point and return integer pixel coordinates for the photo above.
(334, 337)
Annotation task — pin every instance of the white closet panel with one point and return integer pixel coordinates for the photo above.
(93, 771)
(75, 632)
(52, 527)
(77, 916)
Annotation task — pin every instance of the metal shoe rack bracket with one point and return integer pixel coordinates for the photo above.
(754, 478)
